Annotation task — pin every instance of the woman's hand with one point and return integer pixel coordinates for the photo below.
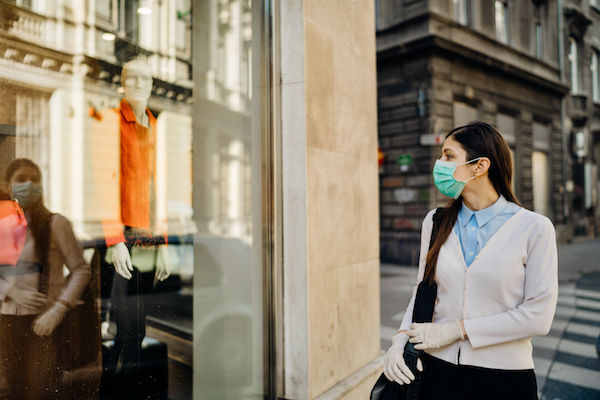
(27, 298)
(395, 368)
(49, 320)
(434, 336)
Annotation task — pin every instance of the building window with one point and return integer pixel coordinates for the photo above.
(24, 3)
(595, 76)
(540, 169)
(538, 32)
(573, 65)
(461, 11)
(507, 126)
(128, 19)
(463, 113)
(501, 18)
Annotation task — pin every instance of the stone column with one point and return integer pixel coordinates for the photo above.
(328, 108)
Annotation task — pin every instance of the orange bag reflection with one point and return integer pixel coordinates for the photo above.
(13, 228)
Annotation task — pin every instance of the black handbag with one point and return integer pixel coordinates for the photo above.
(385, 389)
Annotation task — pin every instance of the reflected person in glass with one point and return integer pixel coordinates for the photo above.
(36, 296)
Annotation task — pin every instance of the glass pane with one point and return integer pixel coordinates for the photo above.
(501, 17)
(595, 67)
(541, 194)
(461, 11)
(573, 65)
(138, 165)
(463, 113)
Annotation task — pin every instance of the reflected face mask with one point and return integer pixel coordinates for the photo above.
(27, 193)
(443, 177)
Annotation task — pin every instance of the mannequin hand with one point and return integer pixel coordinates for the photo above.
(434, 336)
(121, 259)
(395, 368)
(47, 322)
(27, 298)
(163, 267)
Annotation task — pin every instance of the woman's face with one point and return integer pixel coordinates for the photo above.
(25, 174)
(454, 152)
(25, 186)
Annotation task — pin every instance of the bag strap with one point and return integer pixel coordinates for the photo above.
(427, 294)
(44, 253)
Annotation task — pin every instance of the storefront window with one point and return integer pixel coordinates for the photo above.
(132, 134)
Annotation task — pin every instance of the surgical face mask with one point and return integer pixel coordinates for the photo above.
(443, 177)
(27, 193)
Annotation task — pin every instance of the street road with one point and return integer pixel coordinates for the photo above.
(567, 366)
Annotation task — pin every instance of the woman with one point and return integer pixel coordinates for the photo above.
(35, 293)
(495, 265)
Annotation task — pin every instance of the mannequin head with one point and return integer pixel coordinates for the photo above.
(136, 79)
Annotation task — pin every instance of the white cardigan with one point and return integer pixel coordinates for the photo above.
(507, 296)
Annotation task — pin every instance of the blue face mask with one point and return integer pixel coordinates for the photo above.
(27, 193)
(443, 177)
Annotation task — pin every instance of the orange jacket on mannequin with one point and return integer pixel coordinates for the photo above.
(124, 164)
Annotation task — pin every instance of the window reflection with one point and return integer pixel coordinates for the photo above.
(162, 190)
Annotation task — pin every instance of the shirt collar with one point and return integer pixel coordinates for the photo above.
(482, 216)
(130, 116)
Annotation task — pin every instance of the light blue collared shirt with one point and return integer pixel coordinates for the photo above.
(476, 228)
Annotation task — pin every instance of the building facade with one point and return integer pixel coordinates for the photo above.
(264, 185)
(581, 47)
(444, 63)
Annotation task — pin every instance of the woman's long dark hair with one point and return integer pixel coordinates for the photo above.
(478, 139)
(39, 215)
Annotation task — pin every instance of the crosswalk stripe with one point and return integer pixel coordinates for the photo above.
(575, 375)
(585, 330)
(577, 348)
(545, 342)
(588, 315)
(587, 293)
(593, 304)
(565, 311)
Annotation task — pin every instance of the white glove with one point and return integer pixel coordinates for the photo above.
(434, 336)
(47, 322)
(163, 265)
(121, 259)
(27, 298)
(395, 368)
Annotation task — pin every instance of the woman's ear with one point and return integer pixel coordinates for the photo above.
(482, 166)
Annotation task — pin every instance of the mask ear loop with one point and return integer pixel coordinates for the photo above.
(472, 161)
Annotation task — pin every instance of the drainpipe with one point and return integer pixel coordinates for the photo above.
(563, 112)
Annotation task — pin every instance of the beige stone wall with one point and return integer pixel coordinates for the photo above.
(330, 199)
(342, 189)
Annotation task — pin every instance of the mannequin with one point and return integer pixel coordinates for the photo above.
(123, 143)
